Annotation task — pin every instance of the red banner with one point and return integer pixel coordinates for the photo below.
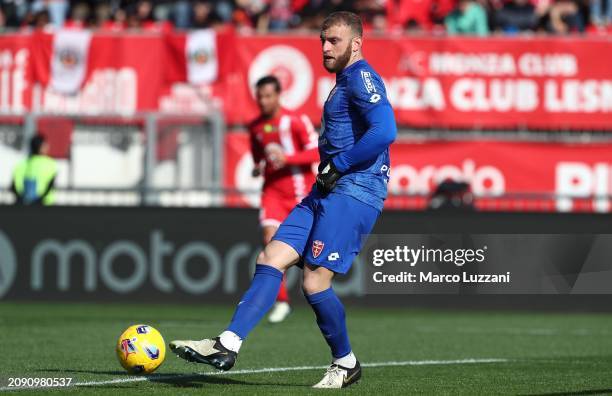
(537, 176)
(564, 173)
(125, 74)
(543, 83)
(15, 73)
(535, 83)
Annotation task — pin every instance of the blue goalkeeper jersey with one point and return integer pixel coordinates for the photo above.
(357, 128)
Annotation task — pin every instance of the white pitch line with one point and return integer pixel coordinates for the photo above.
(295, 368)
(273, 370)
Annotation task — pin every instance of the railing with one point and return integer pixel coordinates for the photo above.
(157, 159)
(108, 160)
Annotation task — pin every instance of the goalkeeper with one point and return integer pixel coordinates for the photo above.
(324, 230)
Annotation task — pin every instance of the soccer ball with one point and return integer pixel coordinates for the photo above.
(141, 349)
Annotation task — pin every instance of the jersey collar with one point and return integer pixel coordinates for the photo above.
(347, 70)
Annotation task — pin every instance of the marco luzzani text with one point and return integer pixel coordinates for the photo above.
(412, 257)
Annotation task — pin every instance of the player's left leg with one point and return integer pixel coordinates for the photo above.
(334, 242)
(345, 369)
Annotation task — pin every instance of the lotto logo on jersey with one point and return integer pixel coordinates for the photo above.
(317, 248)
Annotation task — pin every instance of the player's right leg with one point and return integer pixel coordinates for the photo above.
(275, 208)
(222, 351)
(280, 254)
(281, 308)
(345, 370)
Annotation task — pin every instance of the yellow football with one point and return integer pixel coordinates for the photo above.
(141, 349)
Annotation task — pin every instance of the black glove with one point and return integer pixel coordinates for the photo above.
(327, 177)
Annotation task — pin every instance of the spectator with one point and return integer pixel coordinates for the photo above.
(314, 12)
(140, 16)
(564, 17)
(144, 11)
(516, 16)
(440, 10)
(182, 14)
(601, 16)
(162, 9)
(204, 15)
(118, 22)
(280, 15)
(15, 12)
(102, 14)
(131, 18)
(378, 23)
(373, 16)
(3, 21)
(41, 21)
(249, 15)
(468, 18)
(379, 16)
(57, 12)
(221, 11)
(412, 14)
(79, 16)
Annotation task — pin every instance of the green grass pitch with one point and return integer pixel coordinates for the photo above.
(408, 351)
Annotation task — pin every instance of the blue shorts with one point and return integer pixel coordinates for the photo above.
(327, 230)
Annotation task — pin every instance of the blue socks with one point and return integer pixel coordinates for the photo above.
(331, 320)
(257, 300)
(261, 296)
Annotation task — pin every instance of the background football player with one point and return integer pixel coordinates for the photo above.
(284, 147)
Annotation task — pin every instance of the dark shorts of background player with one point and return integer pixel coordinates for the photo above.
(327, 231)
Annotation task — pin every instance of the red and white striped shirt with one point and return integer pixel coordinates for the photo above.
(298, 140)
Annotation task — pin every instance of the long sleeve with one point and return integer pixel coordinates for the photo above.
(381, 132)
(256, 149)
(369, 98)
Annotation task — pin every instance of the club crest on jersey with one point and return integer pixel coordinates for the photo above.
(269, 128)
(317, 248)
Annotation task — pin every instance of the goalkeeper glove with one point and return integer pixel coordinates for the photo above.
(327, 177)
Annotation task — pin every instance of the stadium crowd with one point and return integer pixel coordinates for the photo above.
(469, 17)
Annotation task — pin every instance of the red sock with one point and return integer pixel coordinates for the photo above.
(283, 295)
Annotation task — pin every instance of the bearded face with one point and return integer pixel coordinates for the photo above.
(337, 47)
